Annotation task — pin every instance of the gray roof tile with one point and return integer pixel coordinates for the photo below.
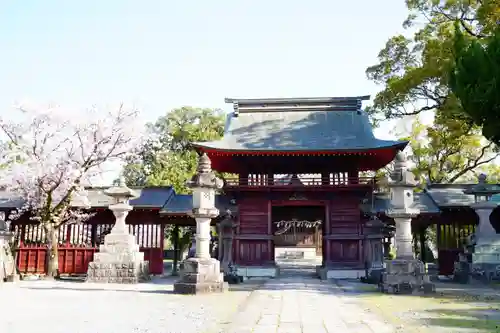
(450, 195)
(285, 129)
(149, 197)
(382, 202)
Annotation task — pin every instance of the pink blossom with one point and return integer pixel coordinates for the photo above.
(50, 154)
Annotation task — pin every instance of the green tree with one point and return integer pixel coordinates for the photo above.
(414, 70)
(166, 157)
(448, 151)
(475, 80)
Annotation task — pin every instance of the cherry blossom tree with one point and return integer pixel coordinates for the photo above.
(50, 154)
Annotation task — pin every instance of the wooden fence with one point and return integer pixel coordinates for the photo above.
(79, 242)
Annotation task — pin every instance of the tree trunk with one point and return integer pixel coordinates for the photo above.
(52, 261)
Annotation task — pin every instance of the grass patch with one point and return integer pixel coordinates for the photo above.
(427, 313)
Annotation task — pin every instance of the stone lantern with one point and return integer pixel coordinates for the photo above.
(202, 273)
(119, 259)
(405, 274)
(486, 255)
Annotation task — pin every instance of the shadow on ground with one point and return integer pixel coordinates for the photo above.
(455, 308)
(483, 319)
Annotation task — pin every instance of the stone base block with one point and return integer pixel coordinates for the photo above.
(248, 272)
(329, 273)
(113, 257)
(405, 277)
(200, 288)
(486, 258)
(199, 275)
(486, 271)
(117, 243)
(118, 272)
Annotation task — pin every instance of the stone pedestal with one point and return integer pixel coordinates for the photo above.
(7, 263)
(406, 276)
(119, 259)
(486, 258)
(200, 275)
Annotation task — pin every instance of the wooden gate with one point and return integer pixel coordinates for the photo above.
(79, 242)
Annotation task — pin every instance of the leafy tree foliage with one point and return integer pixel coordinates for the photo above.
(475, 80)
(449, 151)
(166, 158)
(414, 70)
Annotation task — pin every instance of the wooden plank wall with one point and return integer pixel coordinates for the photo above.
(253, 240)
(343, 234)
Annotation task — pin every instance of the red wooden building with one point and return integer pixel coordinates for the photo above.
(299, 160)
(79, 242)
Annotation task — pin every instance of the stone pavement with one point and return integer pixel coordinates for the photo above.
(293, 304)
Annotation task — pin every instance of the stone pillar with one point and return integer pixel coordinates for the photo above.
(119, 259)
(405, 274)
(486, 254)
(403, 236)
(203, 237)
(202, 274)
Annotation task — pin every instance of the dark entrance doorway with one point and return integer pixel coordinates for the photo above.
(297, 231)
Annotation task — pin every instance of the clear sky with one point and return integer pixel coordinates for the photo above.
(160, 54)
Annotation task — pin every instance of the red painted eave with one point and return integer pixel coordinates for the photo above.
(248, 152)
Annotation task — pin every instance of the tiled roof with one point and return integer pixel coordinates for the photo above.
(329, 124)
(422, 201)
(450, 195)
(149, 197)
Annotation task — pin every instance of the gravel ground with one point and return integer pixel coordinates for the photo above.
(62, 307)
